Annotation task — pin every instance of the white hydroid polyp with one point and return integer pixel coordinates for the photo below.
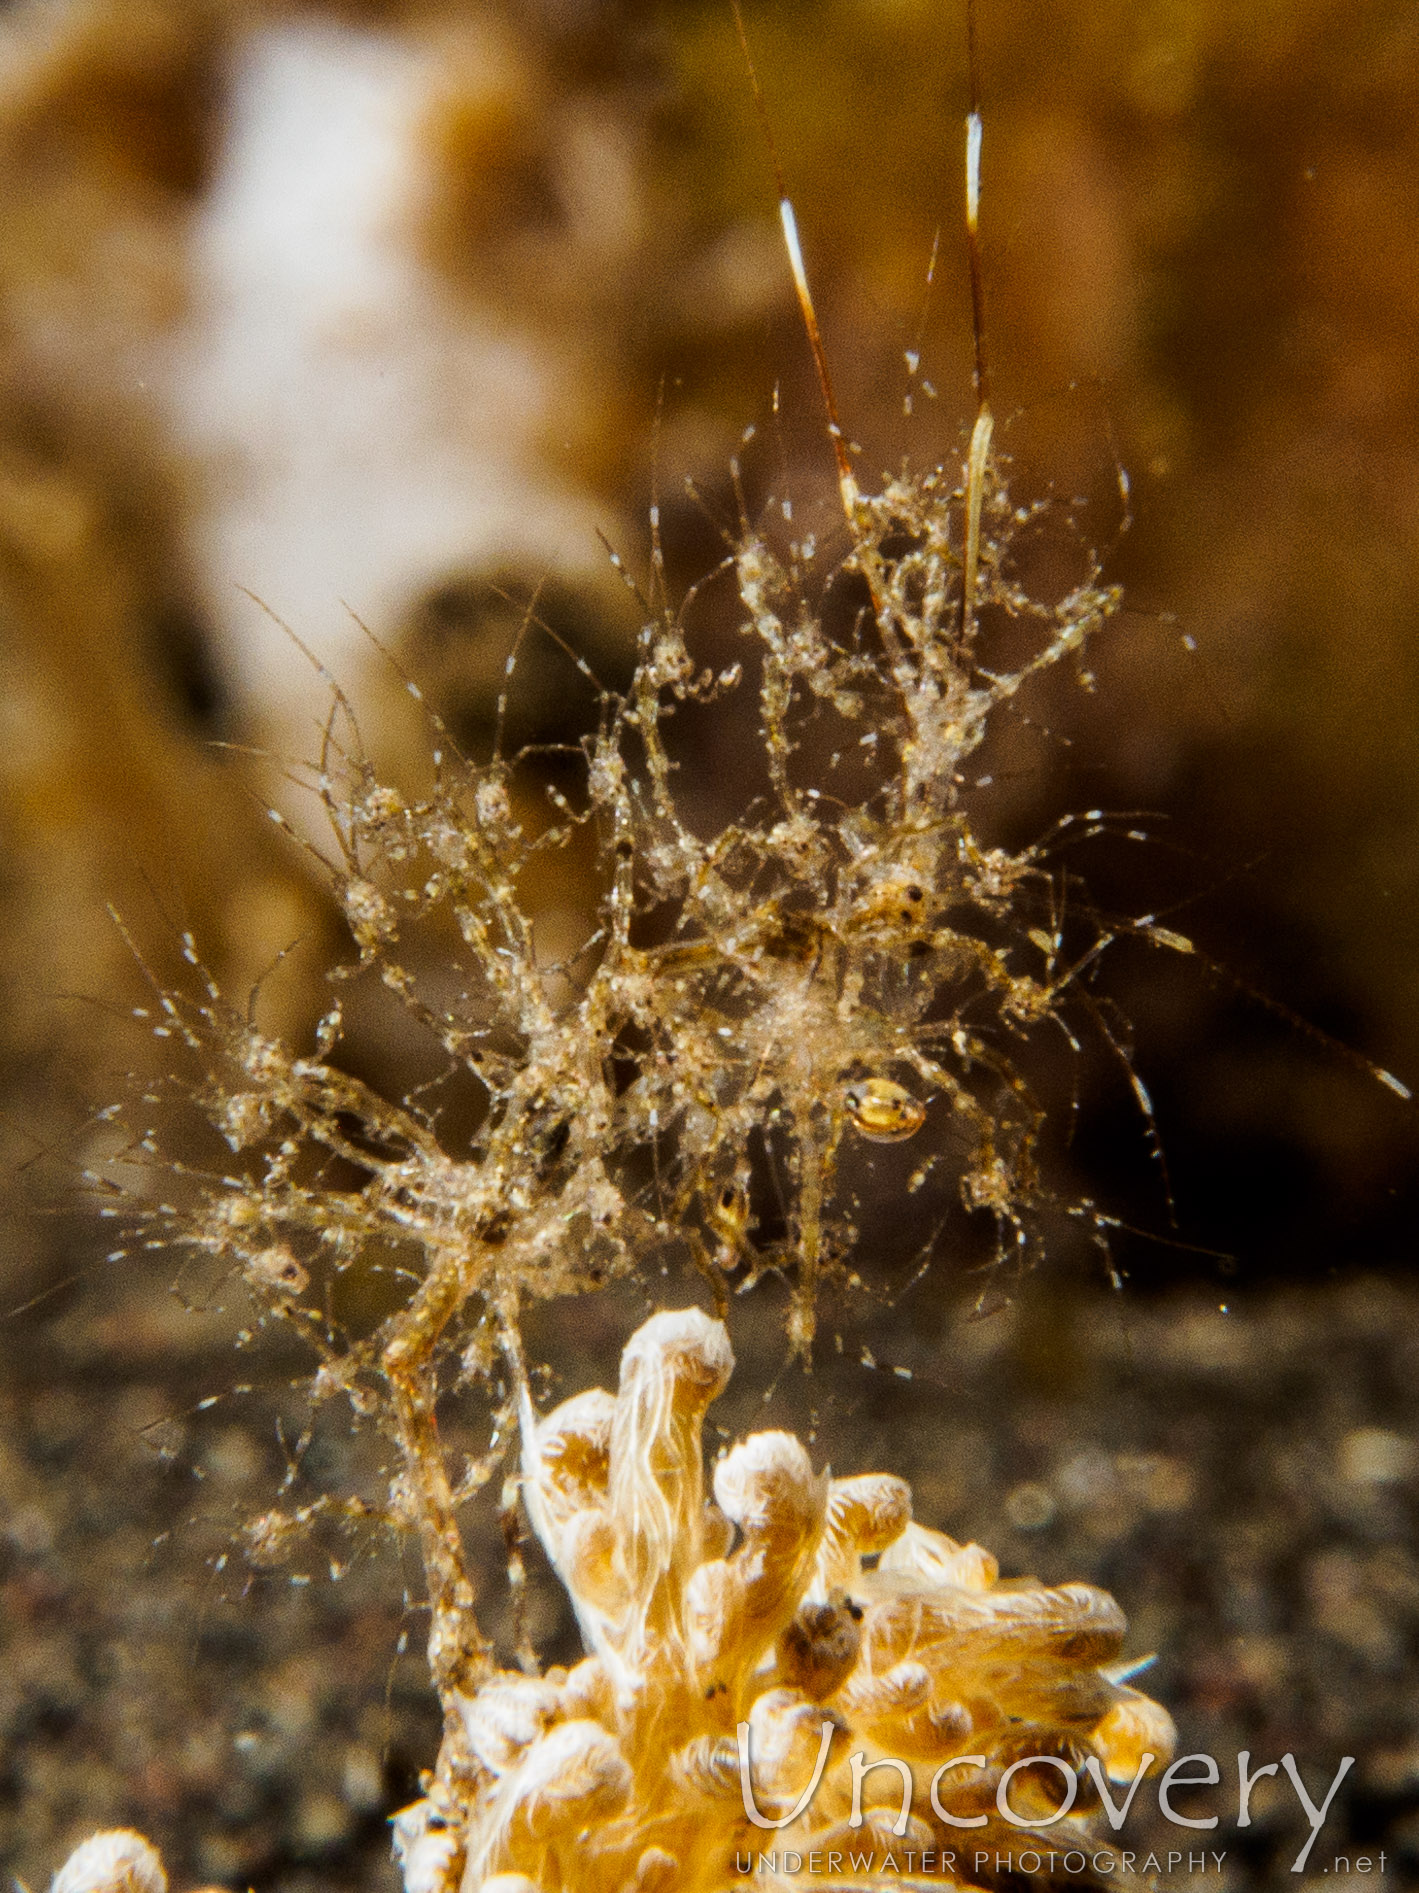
(119, 1861)
(794, 1654)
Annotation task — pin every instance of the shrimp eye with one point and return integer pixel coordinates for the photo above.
(883, 1112)
(728, 1212)
(277, 1270)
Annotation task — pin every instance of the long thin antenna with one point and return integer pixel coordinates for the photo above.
(978, 458)
(847, 479)
(973, 144)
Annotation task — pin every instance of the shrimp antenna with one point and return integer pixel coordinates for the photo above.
(978, 457)
(973, 251)
(847, 479)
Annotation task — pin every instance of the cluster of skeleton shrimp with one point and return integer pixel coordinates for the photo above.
(817, 975)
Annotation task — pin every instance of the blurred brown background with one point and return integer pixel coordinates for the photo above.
(371, 304)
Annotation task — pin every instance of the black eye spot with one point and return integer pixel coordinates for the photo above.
(854, 1611)
(914, 893)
